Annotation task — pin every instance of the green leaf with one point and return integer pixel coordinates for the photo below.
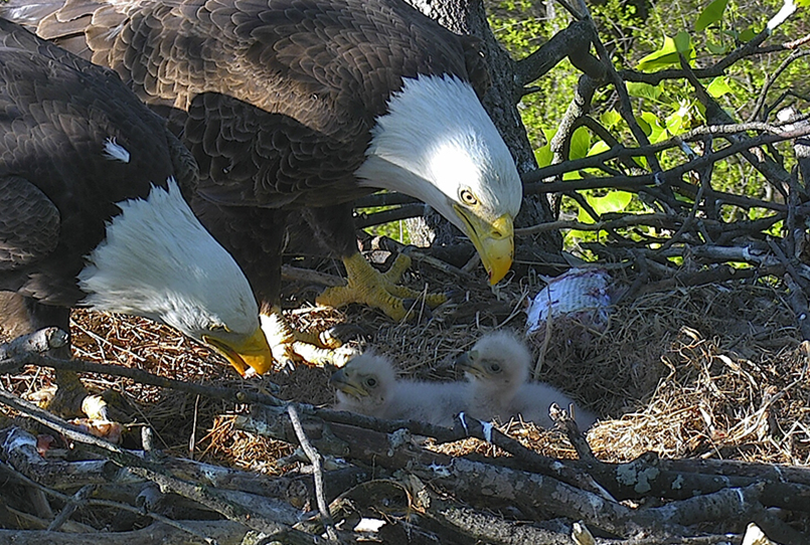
(683, 42)
(644, 125)
(747, 35)
(657, 132)
(700, 112)
(675, 122)
(644, 90)
(610, 118)
(614, 201)
(584, 217)
(717, 49)
(719, 87)
(574, 236)
(802, 3)
(580, 143)
(669, 53)
(666, 56)
(710, 15)
(599, 147)
(543, 156)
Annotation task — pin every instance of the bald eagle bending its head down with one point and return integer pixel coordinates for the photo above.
(91, 214)
(296, 107)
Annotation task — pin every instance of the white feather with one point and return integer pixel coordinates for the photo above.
(158, 261)
(399, 399)
(115, 152)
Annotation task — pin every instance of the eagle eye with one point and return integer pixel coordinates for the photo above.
(371, 382)
(495, 367)
(468, 198)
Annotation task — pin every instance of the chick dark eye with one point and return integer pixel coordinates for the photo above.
(371, 382)
(495, 368)
(468, 198)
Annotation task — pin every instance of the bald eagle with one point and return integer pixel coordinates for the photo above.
(368, 385)
(498, 367)
(293, 108)
(91, 214)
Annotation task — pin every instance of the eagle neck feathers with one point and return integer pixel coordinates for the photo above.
(158, 261)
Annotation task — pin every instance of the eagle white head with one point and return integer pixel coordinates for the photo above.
(158, 261)
(437, 143)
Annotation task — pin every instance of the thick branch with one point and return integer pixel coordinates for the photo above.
(574, 42)
(223, 532)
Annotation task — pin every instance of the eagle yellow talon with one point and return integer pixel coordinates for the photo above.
(70, 392)
(379, 290)
(288, 344)
(401, 264)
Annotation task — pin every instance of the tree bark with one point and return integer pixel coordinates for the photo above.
(224, 532)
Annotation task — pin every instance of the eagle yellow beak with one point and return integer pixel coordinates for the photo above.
(247, 352)
(494, 241)
(343, 383)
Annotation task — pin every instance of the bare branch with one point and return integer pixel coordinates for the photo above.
(36, 343)
(574, 42)
(228, 394)
(315, 460)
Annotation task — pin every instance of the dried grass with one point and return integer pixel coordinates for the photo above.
(714, 371)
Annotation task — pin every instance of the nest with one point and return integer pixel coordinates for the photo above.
(717, 371)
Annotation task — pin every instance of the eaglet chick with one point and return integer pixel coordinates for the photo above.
(368, 385)
(498, 371)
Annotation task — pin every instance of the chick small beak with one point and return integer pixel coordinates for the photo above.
(340, 381)
(251, 352)
(495, 242)
(467, 364)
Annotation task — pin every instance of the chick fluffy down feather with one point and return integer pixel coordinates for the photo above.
(497, 368)
(391, 398)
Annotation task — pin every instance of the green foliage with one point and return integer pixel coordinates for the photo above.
(719, 87)
(669, 54)
(650, 38)
(710, 15)
(394, 230)
(580, 143)
(613, 201)
(522, 26)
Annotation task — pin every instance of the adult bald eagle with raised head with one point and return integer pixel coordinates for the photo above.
(91, 214)
(298, 107)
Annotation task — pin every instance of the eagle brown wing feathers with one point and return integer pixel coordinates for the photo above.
(276, 100)
(298, 65)
(57, 185)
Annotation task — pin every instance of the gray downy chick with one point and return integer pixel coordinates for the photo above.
(498, 368)
(368, 385)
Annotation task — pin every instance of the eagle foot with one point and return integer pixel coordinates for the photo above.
(90, 412)
(98, 421)
(67, 400)
(379, 290)
(290, 345)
